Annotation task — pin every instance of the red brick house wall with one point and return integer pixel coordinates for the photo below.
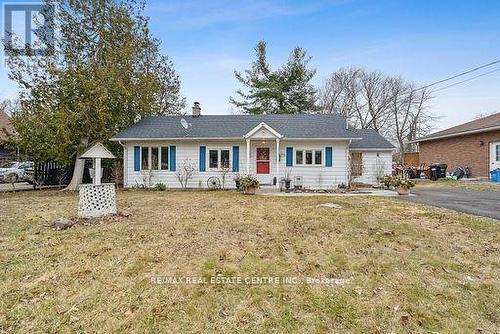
(461, 151)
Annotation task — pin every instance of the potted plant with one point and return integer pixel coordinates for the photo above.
(248, 184)
(237, 181)
(402, 184)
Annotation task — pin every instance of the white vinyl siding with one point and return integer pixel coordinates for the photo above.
(314, 176)
(184, 150)
(374, 164)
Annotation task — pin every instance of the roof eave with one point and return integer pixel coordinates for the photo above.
(373, 149)
(457, 134)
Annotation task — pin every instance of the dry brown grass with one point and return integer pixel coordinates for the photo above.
(469, 185)
(414, 269)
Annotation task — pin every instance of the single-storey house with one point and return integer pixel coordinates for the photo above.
(312, 149)
(475, 144)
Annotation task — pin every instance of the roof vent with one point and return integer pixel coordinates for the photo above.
(196, 109)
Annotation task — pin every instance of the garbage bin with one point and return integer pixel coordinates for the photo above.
(438, 170)
(495, 175)
(434, 171)
(442, 170)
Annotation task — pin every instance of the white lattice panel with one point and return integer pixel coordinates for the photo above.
(97, 200)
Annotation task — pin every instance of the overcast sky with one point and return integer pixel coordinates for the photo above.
(423, 41)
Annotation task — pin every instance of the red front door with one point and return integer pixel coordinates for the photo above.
(262, 160)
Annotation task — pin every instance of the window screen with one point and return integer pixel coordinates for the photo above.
(213, 156)
(164, 158)
(299, 157)
(224, 158)
(309, 157)
(154, 158)
(144, 158)
(318, 157)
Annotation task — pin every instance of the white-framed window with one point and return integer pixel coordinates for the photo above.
(219, 158)
(154, 157)
(309, 157)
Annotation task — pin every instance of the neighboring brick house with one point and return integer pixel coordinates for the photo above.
(475, 144)
(6, 129)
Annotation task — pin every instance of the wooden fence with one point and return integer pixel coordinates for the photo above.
(412, 159)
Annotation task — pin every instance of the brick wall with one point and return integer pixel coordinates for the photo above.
(461, 151)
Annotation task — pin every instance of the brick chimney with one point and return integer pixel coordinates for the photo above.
(196, 109)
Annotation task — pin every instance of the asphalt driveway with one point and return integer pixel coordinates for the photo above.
(480, 203)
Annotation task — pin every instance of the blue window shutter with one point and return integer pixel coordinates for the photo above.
(289, 156)
(137, 158)
(203, 157)
(328, 156)
(236, 158)
(173, 162)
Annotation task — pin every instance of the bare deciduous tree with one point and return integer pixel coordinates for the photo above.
(147, 175)
(361, 96)
(223, 170)
(422, 120)
(409, 116)
(372, 100)
(185, 172)
(117, 173)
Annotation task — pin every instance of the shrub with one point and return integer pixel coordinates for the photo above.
(398, 181)
(248, 182)
(159, 187)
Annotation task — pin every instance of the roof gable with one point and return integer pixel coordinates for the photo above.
(263, 131)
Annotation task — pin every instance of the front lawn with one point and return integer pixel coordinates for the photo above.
(404, 268)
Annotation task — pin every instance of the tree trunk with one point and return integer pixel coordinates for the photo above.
(77, 178)
(402, 151)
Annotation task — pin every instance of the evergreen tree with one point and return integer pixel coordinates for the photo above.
(286, 90)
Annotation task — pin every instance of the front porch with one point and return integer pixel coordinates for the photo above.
(263, 154)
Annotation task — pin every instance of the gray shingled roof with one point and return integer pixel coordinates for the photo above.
(236, 126)
(371, 139)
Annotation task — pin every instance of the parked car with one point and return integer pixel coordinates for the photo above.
(21, 171)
